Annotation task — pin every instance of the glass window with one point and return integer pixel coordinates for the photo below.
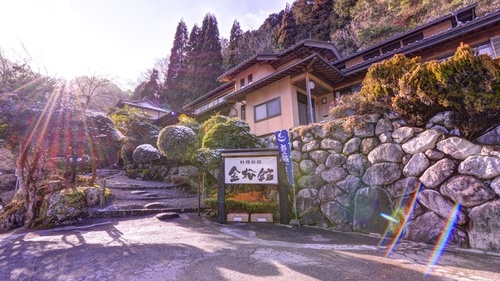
(250, 79)
(267, 110)
(242, 82)
(243, 111)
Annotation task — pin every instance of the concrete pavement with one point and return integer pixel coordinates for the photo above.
(197, 248)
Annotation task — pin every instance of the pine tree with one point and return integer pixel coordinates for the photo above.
(193, 64)
(288, 31)
(209, 64)
(175, 83)
(234, 55)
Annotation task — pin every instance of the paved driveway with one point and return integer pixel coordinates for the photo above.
(195, 248)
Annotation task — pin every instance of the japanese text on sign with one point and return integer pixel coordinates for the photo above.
(251, 170)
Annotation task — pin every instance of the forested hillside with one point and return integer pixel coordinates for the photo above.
(198, 57)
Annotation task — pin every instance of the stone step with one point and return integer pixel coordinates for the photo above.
(139, 187)
(137, 212)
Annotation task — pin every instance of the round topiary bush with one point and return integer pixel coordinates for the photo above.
(178, 143)
(145, 153)
(233, 133)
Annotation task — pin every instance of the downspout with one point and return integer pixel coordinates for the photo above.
(309, 99)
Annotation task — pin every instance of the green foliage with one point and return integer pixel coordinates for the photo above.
(234, 206)
(466, 84)
(178, 143)
(208, 159)
(234, 133)
(190, 122)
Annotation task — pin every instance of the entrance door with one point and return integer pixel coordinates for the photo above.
(304, 109)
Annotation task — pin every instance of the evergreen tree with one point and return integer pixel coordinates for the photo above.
(321, 20)
(234, 55)
(151, 89)
(193, 64)
(287, 34)
(175, 83)
(209, 64)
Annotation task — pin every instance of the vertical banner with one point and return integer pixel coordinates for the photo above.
(284, 148)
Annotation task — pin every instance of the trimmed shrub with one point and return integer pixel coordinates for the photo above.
(465, 84)
(178, 143)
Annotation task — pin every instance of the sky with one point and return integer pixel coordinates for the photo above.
(116, 39)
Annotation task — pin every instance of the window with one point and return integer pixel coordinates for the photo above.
(250, 79)
(495, 42)
(243, 111)
(267, 110)
(242, 82)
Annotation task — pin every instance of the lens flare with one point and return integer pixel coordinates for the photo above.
(402, 224)
(443, 239)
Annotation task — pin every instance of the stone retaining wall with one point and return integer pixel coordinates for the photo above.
(348, 172)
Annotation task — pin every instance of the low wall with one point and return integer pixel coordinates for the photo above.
(350, 171)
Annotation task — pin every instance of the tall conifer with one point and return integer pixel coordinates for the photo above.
(176, 79)
(234, 54)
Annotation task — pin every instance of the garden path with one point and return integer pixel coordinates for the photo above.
(140, 197)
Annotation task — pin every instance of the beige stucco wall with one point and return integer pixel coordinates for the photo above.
(258, 72)
(282, 89)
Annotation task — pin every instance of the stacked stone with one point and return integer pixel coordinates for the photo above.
(347, 175)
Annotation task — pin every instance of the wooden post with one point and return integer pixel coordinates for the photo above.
(221, 196)
(199, 189)
(283, 194)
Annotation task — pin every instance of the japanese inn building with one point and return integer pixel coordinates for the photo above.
(298, 85)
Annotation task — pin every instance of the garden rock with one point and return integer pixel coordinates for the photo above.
(495, 184)
(341, 133)
(434, 154)
(368, 145)
(416, 166)
(385, 137)
(167, 216)
(334, 174)
(382, 173)
(329, 144)
(307, 166)
(319, 156)
(435, 202)
(310, 146)
(404, 187)
(311, 181)
(352, 146)
(403, 134)
(458, 148)
(485, 226)
(383, 125)
(350, 184)
(335, 160)
(356, 164)
(307, 200)
(364, 130)
(63, 207)
(316, 218)
(427, 228)
(387, 152)
(369, 203)
(437, 173)
(483, 167)
(329, 192)
(187, 171)
(492, 137)
(341, 217)
(467, 191)
(422, 142)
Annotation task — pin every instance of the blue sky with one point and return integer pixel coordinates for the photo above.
(114, 38)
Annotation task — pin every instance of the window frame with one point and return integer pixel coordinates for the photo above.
(266, 104)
